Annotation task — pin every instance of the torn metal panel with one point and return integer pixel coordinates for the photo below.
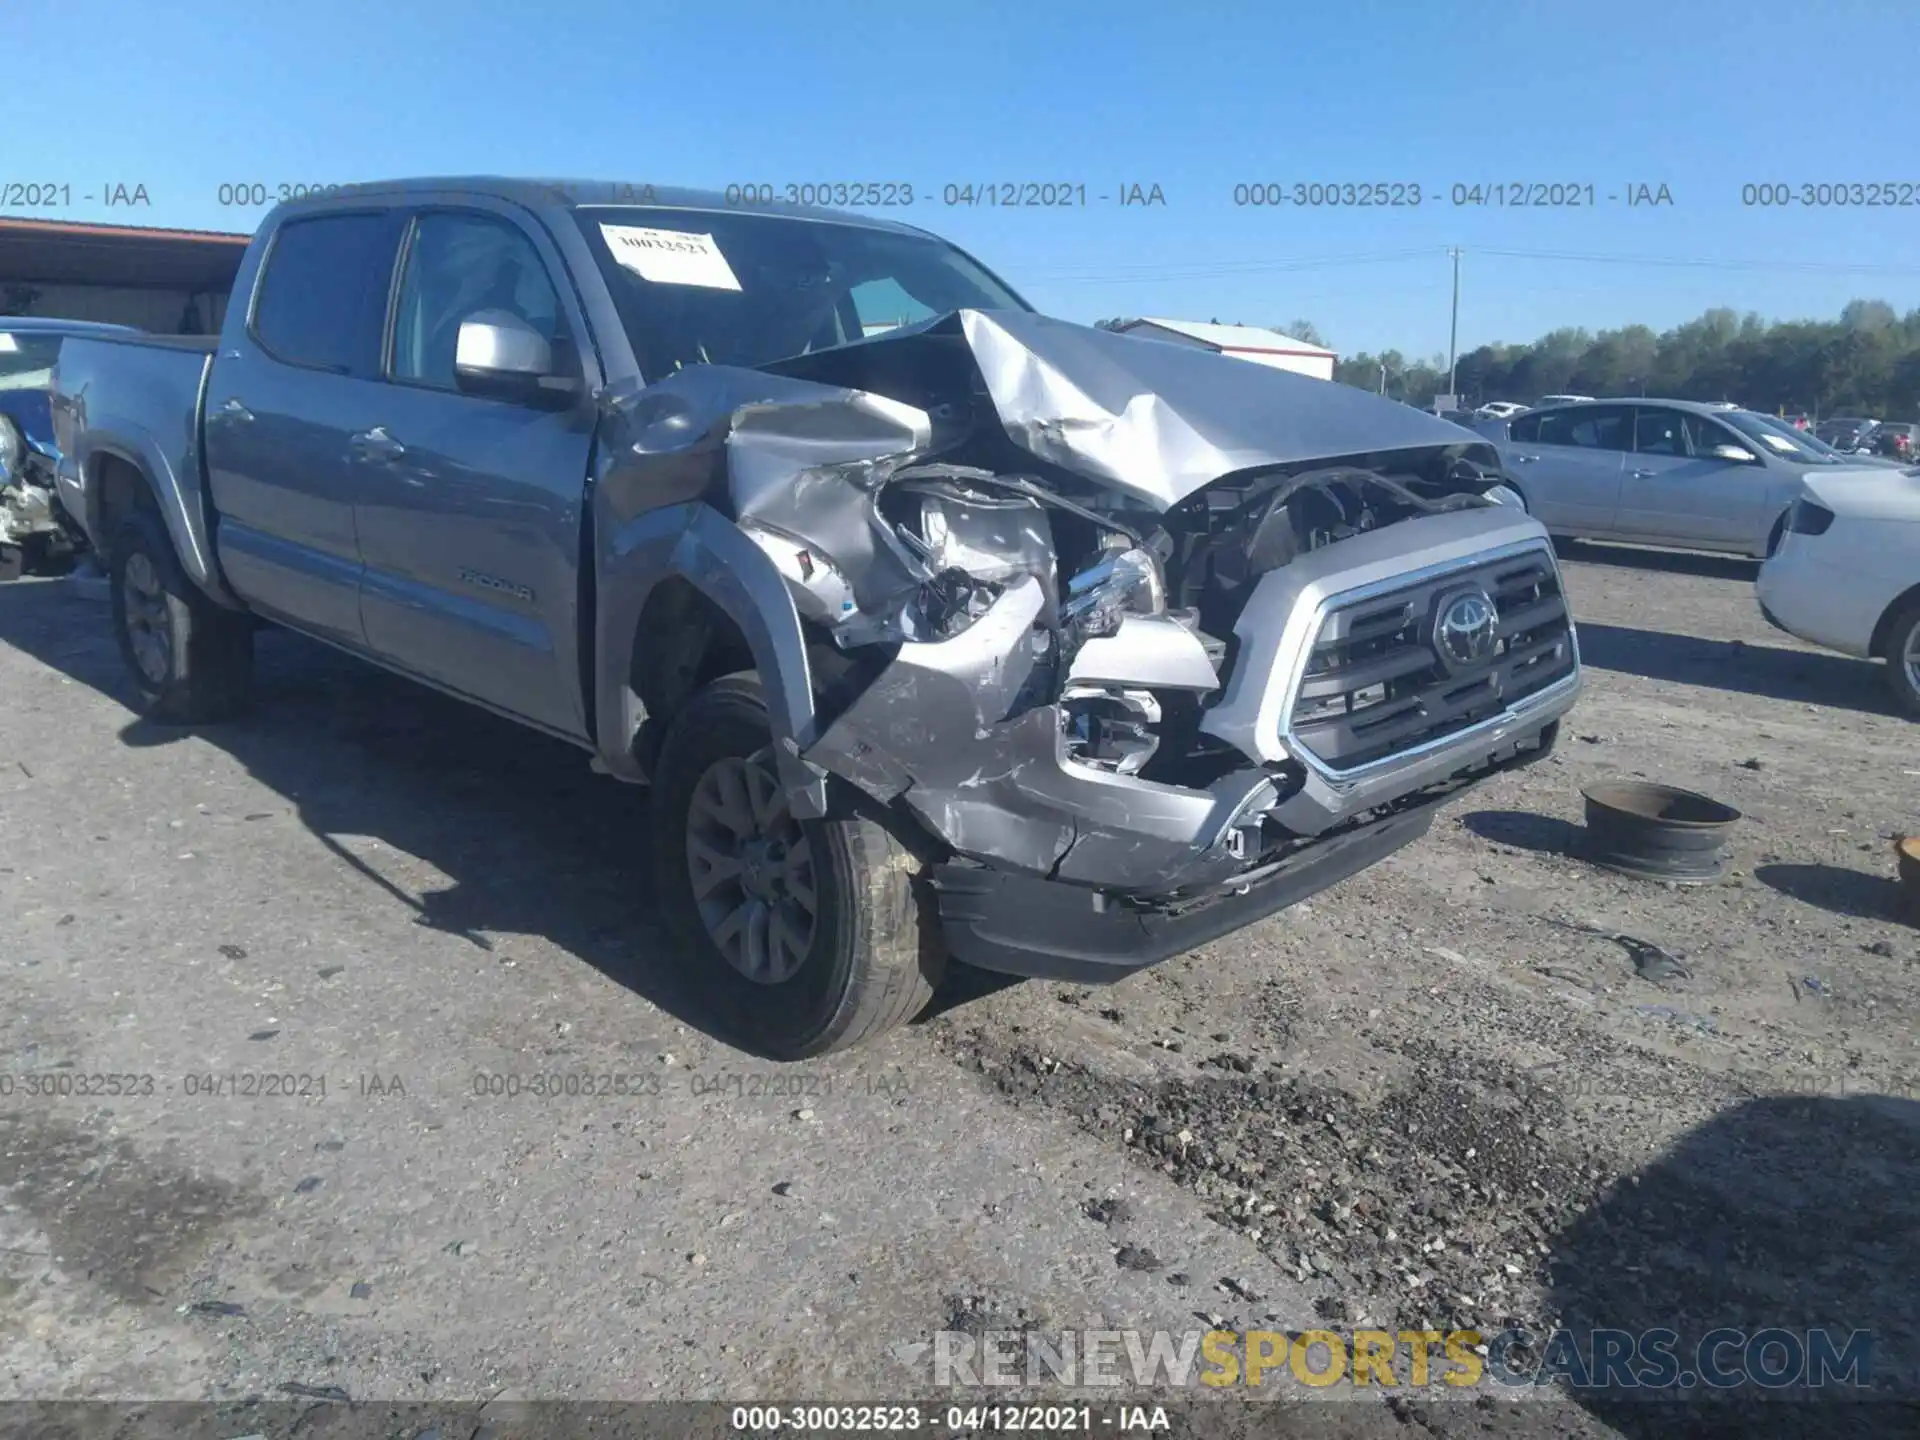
(1156, 421)
(1160, 421)
(949, 729)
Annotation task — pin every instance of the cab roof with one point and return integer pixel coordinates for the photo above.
(585, 194)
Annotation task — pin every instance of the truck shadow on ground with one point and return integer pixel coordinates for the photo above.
(532, 841)
(1836, 889)
(1770, 671)
(1789, 1213)
(1525, 830)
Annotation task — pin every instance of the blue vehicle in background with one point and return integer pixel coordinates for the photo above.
(35, 532)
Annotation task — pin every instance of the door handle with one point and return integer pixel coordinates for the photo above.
(376, 444)
(234, 410)
(1524, 459)
(1645, 474)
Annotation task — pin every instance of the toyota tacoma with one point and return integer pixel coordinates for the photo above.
(939, 627)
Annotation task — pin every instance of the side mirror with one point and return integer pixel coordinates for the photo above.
(500, 355)
(1739, 454)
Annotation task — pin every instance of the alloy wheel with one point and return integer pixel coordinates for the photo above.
(149, 626)
(751, 867)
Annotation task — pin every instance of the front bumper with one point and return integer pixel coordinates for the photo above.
(953, 733)
(1043, 929)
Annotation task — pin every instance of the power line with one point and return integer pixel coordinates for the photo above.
(1807, 266)
(1231, 269)
(1227, 269)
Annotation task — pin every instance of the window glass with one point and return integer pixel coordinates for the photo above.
(884, 305)
(742, 288)
(1590, 427)
(1661, 432)
(458, 266)
(324, 294)
(26, 360)
(1526, 427)
(1704, 436)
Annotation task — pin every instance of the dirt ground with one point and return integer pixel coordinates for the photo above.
(1438, 1096)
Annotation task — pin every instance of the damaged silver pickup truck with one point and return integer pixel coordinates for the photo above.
(941, 628)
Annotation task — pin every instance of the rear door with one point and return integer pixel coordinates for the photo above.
(284, 398)
(1678, 490)
(1569, 464)
(470, 509)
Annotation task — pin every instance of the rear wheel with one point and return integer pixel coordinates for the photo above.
(805, 936)
(190, 659)
(1903, 657)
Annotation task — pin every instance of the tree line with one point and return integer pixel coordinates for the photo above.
(1866, 362)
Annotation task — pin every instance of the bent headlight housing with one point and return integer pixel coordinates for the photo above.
(1123, 583)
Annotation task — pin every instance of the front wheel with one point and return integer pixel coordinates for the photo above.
(1903, 657)
(805, 936)
(190, 659)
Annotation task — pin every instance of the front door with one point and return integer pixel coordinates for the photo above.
(1683, 488)
(469, 507)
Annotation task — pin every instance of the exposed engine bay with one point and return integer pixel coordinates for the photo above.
(34, 532)
(943, 542)
(1039, 548)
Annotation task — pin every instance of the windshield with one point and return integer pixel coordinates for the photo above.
(738, 288)
(1779, 437)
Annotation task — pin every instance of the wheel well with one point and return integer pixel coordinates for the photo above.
(683, 641)
(120, 489)
(1877, 646)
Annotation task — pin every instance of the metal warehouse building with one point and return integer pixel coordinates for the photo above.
(1243, 342)
(173, 282)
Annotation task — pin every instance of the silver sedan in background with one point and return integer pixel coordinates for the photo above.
(1688, 474)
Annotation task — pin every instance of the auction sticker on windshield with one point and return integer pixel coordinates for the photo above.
(670, 257)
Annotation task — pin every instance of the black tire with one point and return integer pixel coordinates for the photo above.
(1774, 536)
(191, 660)
(13, 563)
(872, 963)
(1903, 639)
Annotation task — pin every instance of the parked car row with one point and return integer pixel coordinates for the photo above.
(1686, 473)
(1838, 529)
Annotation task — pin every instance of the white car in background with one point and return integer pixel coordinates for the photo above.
(1500, 410)
(1846, 574)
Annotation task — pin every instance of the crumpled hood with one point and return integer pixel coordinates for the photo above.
(1158, 420)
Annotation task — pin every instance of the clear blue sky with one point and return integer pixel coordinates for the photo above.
(1700, 95)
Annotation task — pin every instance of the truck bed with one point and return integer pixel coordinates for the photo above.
(139, 397)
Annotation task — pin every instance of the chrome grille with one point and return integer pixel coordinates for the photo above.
(1375, 684)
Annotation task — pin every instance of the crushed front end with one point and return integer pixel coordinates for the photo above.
(1145, 677)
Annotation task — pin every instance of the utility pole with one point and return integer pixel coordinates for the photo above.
(1453, 333)
(1383, 377)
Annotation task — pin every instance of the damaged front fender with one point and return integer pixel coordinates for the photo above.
(963, 732)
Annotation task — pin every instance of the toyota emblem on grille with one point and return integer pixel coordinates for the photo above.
(1466, 630)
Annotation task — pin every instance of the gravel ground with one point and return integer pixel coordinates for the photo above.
(1440, 1095)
